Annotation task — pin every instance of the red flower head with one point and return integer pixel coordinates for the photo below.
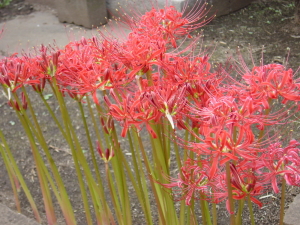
(193, 180)
(245, 183)
(282, 162)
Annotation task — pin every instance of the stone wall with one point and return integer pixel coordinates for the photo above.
(49, 3)
(87, 13)
(221, 7)
(90, 13)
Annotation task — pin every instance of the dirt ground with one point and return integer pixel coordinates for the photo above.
(266, 26)
(15, 8)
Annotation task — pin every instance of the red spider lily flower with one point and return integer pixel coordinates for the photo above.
(167, 99)
(215, 148)
(171, 23)
(140, 51)
(180, 70)
(192, 181)
(80, 73)
(291, 159)
(107, 123)
(282, 161)
(245, 184)
(223, 135)
(271, 81)
(41, 86)
(17, 72)
(24, 101)
(44, 58)
(216, 112)
(14, 104)
(243, 145)
(121, 113)
(129, 110)
(84, 69)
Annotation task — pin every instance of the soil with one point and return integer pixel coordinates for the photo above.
(15, 8)
(265, 27)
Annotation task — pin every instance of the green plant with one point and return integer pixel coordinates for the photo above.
(4, 3)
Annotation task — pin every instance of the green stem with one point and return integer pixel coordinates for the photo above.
(206, 211)
(90, 142)
(94, 122)
(183, 209)
(166, 135)
(40, 165)
(141, 188)
(69, 129)
(214, 213)
(42, 179)
(12, 177)
(21, 179)
(266, 113)
(149, 78)
(203, 213)
(53, 115)
(251, 210)
(113, 195)
(100, 184)
(282, 201)
(192, 203)
(176, 149)
(92, 185)
(162, 170)
(158, 151)
(156, 188)
(183, 213)
(120, 178)
(21, 113)
(240, 211)
(62, 196)
(106, 138)
(229, 189)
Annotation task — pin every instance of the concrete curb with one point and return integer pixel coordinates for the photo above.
(292, 215)
(10, 217)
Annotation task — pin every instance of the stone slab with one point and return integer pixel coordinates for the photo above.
(87, 13)
(10, 217)
(78, 12)
(292, 215)
(25, 32)
(220, 7)
(49, 3)
(223, 7)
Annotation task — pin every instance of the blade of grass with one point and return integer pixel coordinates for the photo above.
(12, 177)
(20, 178)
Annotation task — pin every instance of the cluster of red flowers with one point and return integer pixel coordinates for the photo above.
(147, 78)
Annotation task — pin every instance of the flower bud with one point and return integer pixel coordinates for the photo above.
(107, 155)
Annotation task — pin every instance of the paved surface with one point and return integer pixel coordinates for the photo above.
(43, 27)
(292, 215)
(25, 32)
(9, 217)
